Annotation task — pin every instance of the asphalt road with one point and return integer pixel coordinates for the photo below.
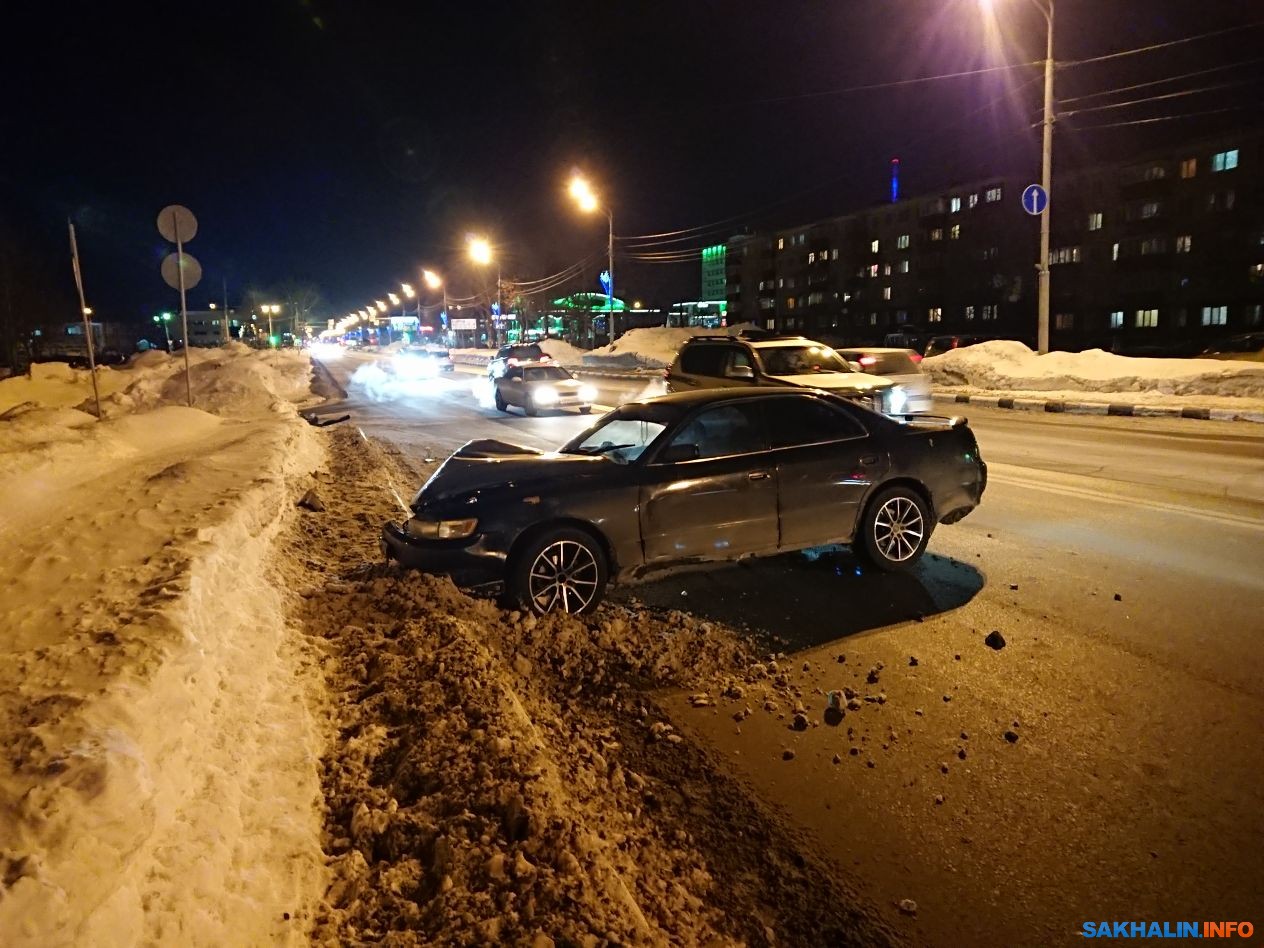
(1123, 561)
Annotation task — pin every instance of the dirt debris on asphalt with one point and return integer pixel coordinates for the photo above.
(494, 777)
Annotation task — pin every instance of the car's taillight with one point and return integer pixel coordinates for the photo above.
(512, 361)
(915, 356)
(545, 357)
(868, 360)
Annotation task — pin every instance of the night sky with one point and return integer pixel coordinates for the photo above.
(347, 144)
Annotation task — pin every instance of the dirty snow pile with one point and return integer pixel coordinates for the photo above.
(160, 783)
(504, 779)
(1010, 367)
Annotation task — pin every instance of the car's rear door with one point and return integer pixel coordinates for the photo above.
(718, 505)
(826, 460)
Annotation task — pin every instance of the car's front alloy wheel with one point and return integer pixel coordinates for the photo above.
(895, 529)
(561, 571)
(501, 404)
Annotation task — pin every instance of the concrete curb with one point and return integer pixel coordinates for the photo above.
(1122, 409)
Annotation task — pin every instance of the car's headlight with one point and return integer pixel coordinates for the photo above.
(441, 529)
(587, 393)
(545, 395)
(897, 399)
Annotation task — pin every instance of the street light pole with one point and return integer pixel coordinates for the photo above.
(1046, 169)
(610, 270)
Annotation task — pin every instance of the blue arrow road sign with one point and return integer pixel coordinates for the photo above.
(1035, 199)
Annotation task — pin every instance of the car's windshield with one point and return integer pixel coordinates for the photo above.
(546, 373)
(883, 363)
(624, 435)
(801, 360)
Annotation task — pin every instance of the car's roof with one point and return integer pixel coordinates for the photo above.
(881, 349)
(708, 395)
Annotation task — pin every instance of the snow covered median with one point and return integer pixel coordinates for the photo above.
(1004, 366)
(162, 785)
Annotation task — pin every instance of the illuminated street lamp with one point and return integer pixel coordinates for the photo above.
(587, 200)
(481, 253)
(1046, 168)
(434, 282)
(163, 319)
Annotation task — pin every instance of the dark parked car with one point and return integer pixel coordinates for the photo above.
(515, 355)
(697, 477)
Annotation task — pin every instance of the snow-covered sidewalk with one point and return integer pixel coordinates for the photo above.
(154, 706)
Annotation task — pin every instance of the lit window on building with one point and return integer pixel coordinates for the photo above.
(991, 311)
(1257, 271)
(1224, 160)
(1065, 255)
(1154, 173)
(790, 303)
(1147, 318)
(954, 205)
(902, 242)
(1215, 315)
(1114, 251)
(935, 314)
(1064, 321)
(904, 266)
(1117, 319)
(992, 195)
(1254, 314)
(973, 200)
(954, 232)
(886, 269)
(781, 282)
(1184, 243)
(834, 254)
(969, 312)
(991, 253)
(873, 246)
(1095, 221)
(1150, 209)
(1153, 245)
(873, 269)
(812, 257)
(781, 243)
(937, 234)
(1189, 167)
(801, 238)
(886, 292)
(873, 319)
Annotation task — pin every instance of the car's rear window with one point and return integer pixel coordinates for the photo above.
(527, 352)
(884, 363)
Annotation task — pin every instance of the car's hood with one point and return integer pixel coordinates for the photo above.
(847, 381)
(564, 385)
(495, 464)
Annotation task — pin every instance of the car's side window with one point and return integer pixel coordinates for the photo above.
(805, 419)
(703, 360)
(737, 358)
(723, 431)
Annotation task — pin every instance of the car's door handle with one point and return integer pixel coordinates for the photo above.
(869, 459)
(758, 476)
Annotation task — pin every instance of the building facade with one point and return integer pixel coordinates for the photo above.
(1162, 254)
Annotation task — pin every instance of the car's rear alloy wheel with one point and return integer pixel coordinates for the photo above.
(561, 571)
(501, 404)
(896, 529)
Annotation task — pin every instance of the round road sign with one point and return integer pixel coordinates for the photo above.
(171, 271)
(177, 216)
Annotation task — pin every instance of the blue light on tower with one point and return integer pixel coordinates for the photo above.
(895, 180)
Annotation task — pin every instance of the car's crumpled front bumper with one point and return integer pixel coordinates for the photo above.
(468, 557)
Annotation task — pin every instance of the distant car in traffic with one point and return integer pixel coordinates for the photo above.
(412, 362)
(938, 345)
(517, 354)
(1248, 345)
(703, 477)
(754, 360)
(900, 366)
(542, 386)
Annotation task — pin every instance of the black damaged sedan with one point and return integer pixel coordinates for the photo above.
(709, 476)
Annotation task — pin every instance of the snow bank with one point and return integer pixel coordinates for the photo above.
(230, 379)
(1008, 366)
(162, 783)
(563, 351)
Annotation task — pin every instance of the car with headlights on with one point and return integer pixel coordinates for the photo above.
(901, 367)
(419, 362)
(752, 359)
(694, 478)
(535, 387)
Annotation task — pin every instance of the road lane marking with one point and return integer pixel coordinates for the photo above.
(1033, 479)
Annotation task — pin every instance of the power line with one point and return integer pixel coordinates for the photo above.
(1168, 118)
(1159, 82)
(1154, 46)
(1168, 95)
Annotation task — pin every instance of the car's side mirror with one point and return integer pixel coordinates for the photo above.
(674, 453)
(740, 372)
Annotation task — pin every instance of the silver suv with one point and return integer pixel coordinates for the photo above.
(738, 361)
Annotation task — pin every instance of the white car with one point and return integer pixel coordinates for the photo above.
(536, 387)
(911, 394)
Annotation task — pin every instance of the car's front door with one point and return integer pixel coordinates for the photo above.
(711, 491)
(826, 460)
(512, 387)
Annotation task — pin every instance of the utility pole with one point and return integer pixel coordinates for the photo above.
(1046, 169)
(610, 269)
